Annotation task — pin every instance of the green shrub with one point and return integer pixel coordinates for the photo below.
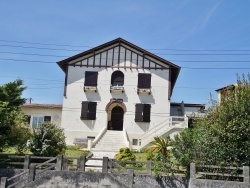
(48, 140)
(125, 154)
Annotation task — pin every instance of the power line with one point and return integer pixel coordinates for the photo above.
(47, 44)
(188, 61)
(48, 55)
(169, 49)
(38, 48)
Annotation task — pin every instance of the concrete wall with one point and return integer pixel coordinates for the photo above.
(100, 180)
(76, 128)
(201, 183)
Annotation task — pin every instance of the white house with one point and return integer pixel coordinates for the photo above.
(116, 95)
(38, 113)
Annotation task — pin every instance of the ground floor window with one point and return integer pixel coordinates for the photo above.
(36, 120)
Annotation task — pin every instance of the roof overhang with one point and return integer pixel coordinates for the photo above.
(175, 70)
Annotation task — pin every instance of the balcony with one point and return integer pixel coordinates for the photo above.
(116, 88)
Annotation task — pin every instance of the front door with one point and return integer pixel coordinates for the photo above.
(116, 119)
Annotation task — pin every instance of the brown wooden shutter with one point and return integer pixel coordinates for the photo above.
(85, 110)
(138, 112)
(91, 78)
(28, 118)
(47, 118)
(146, 112)
(92, 111)
(144, 81)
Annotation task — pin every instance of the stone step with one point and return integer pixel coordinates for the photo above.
(110, 141)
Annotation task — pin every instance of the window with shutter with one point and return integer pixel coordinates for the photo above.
(90, 81)
(47, 118)
(144, 83)
(88, 110)
(91, 78)
(142, 112)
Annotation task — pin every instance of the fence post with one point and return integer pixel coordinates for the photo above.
(26, 164)
(32, 172)
(246, 174)
(105, 165)
(65, 163)
(82, 163)
(89, 144)
(130, 177)
(59, 162)
(192, 171)
(3, 182)
(149, 167)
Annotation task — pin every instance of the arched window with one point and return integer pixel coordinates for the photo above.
(117, 78)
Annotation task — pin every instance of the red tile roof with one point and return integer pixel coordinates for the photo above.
(41, 105)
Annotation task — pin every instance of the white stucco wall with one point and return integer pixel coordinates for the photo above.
(55, 113)
(77, 128)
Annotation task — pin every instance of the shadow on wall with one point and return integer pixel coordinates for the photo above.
(116, 95)
(89, 123)
(143, 125)
(146, 98)
(93, 96)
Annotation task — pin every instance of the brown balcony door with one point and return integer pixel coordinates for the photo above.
(117, 118)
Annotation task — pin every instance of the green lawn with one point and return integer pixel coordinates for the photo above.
(71, 151)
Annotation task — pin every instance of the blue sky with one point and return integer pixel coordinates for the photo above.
(209, 39)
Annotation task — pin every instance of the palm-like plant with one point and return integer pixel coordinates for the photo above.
(160, 145)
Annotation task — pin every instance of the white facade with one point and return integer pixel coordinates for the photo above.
(38, 113)
(118, 55)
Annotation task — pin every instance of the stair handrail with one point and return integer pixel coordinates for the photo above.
(127, 142)
(151, 133)
(99, 136)
(166, 122)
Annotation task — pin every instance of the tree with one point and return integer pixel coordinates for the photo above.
(48, 140)
(160, 145)
(222, 137)
(12, 120)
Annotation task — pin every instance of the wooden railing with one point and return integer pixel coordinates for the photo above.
(120, 170)
(219, 172)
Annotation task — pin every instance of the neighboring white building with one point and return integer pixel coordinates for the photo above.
(38, 113)
(121, 89)
(187, 109)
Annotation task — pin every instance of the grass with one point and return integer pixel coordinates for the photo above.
(141, 156)
(71, 151)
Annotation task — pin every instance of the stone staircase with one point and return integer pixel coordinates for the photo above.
(110, 141)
